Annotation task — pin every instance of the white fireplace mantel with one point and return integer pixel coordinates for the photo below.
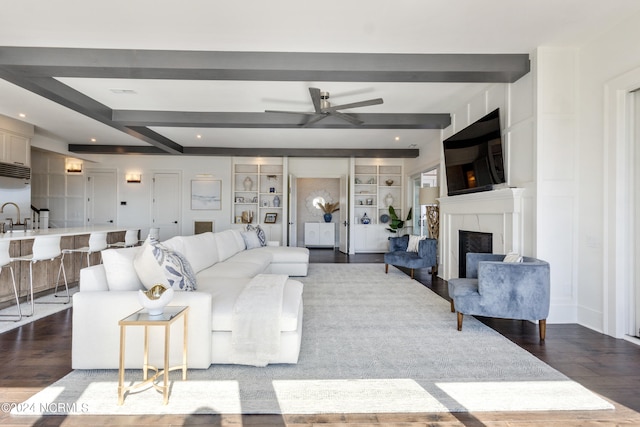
(498, 212)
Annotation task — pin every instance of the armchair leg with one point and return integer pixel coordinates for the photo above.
(460, 316)
(412, 273)
(542, 324)
(453, 306)
(386, 268)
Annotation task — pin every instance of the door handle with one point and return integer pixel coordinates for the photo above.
(175, 222)
(345, 223)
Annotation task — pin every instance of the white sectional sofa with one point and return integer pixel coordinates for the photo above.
(223, 266)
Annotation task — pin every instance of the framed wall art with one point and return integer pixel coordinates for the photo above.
(206, 195)
(270, 218)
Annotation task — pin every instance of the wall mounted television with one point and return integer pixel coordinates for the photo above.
(473, 157)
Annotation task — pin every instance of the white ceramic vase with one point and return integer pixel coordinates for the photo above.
(155, 299)
(248, 183)
(388, 200)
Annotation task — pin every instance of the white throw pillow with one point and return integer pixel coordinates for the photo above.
(512, 257)
(251, 239)
(119, 269)
(156, 264)
(260, 232)
(414, 243)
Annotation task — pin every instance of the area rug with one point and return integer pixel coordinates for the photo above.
(372, 343)
(45, 306)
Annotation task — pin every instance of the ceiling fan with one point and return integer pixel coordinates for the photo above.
(324, 109)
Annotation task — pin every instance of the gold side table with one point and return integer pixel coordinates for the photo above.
(166, 319)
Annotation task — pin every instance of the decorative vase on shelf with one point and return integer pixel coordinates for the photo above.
(388, 200)
(276, 201)
(327, 217)
(248, 183)
(365, 219)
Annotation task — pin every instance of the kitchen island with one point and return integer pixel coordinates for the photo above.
(45, 272)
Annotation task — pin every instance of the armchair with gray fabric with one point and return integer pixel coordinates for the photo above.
(508, 290)
(398, 255)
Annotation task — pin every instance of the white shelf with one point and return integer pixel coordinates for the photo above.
(372, 195)
(258, 190)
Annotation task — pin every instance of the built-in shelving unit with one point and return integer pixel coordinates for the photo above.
(375, 187)
(259, 197)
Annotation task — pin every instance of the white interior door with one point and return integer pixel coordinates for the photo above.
(166, 204)
(293, 199)
(101, 197)
(343, 225)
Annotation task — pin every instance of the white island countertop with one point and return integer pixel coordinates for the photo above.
(69, 231)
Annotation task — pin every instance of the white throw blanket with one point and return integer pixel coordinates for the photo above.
(255, 328)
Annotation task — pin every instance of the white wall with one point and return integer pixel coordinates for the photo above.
(137, 211)
(305, 167)
(556, 175)
(601, 191)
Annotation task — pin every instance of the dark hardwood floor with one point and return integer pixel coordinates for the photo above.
(35, 355)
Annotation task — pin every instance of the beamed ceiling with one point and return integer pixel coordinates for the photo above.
(52, 73)
(196, 78)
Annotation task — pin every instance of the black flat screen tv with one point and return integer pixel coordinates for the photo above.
(473, 157)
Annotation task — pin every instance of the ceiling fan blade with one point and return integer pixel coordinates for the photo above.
(291, 112)
(346, 117)
(315, 98)
(366, 103)
(315, 120)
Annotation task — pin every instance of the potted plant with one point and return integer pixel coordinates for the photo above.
(328, 208)
(396, 223)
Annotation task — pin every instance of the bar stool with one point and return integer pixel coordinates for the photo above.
(154, 233)
(5, 261)
(45, 248)
(97, 243)
(130, 239)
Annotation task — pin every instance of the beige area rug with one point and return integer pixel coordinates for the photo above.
(45, 306)
(372, 343)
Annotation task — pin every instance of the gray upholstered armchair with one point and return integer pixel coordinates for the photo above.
(398, 255)
(509, 290)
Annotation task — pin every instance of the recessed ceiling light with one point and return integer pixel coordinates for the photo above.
(397, 138)
(93, 140)
(199, 136)
(123, 91)
(23, 115)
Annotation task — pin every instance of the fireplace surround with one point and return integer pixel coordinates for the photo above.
(502, 213)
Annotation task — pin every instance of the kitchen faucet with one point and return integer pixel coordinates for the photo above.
(18, 220)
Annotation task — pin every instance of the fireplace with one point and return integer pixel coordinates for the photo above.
(504, 213)
(472, 241)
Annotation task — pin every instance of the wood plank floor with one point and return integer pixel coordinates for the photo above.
(38, 354)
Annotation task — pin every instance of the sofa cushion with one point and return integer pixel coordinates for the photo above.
(229, 243)
(225, 291)
(157, 264)
(201, 250)
(287, 254)
(254, 256)
(119, 270)
(233, 269)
